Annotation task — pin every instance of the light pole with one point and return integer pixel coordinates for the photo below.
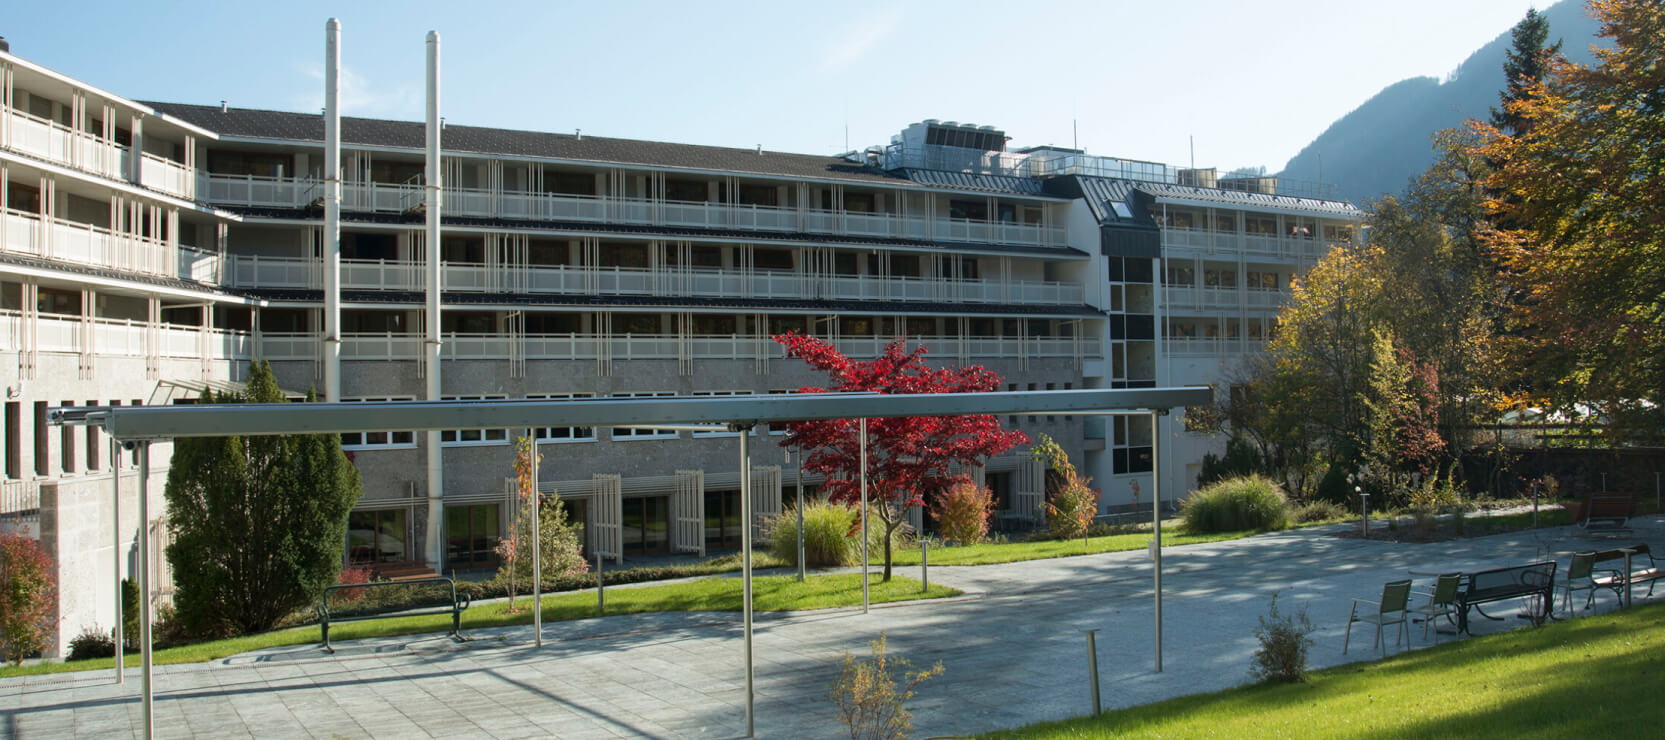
(799, 477)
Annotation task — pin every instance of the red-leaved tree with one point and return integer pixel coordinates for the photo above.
(908, 458)
(28, 599)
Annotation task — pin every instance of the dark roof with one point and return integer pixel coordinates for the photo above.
(72, 268)
(970, 181)
(285, 126)
(750, 304)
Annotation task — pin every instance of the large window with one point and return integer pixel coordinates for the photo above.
(563, 434)
(471, 533)
(461, 437)
(376, 536)
(646, 524)
(722, 518)
(622, 433)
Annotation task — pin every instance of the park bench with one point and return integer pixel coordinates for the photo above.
(1533, 580)
(1643, 568)
(1608, 512)
(446, 601)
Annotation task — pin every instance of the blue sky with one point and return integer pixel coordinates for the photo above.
(1252, 81)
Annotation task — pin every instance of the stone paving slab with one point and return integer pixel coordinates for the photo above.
(1012, 649)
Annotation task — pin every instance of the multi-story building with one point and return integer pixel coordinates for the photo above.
(153, 250)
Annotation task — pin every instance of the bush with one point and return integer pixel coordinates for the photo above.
(1241, 458)
(28, 599)
(830, 535)
(129, 613)
(1254, 502)
(1334, 486)
(1071, 510)
(93, 642)
(869, 694)
(350, 576)
(1284, 641)
(1319, 511)
(963, 512)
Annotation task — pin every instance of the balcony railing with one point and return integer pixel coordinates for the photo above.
(55, 142)
(85, 244)
(1211, 346)
(293, 272)
(166, 175)
(18, 496)
(400, 197)
(123, 338)
(1303, 248)
(1182, 298)
(305, 346)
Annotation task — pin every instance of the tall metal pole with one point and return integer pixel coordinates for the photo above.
(746, 563)
(1156, 521)
(537, 542)
(862, 440)
(433, 181)
(332, 210)
(144, 587)
(115, 551)
(800, 481)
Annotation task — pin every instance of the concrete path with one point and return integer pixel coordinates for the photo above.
(1012, 647)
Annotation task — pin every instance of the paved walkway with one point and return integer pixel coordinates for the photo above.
(1012, 648)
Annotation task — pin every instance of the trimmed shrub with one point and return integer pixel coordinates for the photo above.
(1252, 502)
(1284, 640)
(1319, 511)
(1071, 510)
(91, 643)
(28, 599)
(963, 512)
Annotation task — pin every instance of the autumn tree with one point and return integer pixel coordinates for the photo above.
(560, 541)
(258, 523)
(1403, 410)
(908, 458)
(1580, 199)
(28, 599)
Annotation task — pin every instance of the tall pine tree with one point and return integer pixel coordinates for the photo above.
(1525, 66)
(258, 523)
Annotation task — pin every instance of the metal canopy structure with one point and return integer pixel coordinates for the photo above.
(138, 426)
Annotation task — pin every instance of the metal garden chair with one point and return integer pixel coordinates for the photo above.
(1582, 575)
(1392, 609)
(1442, 602)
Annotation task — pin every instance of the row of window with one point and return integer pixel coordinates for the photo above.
(79, 449)
(544, 435)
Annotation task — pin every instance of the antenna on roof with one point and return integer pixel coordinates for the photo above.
(578, 133)
(1193, 139)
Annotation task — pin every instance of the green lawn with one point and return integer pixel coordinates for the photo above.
(769, 593)
(1588, 677)
(1011, 552)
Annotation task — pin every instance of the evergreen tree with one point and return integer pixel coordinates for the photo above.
(258, 523)
(1527, 64)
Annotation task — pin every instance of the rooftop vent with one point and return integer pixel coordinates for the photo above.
(5, 46)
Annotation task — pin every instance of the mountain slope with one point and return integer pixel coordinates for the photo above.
(1384, 142)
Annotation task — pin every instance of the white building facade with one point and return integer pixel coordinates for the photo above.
(574, 265)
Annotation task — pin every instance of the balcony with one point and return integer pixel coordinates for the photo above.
(119, 338)
(166, 175)
(85, 244)
(55, 142)
(401, 197)
(294, 272)
(306, 346)
(1302, 249)
(1211, 346)
(1181, 298)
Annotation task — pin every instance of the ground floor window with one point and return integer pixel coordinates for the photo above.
(471, 533)
(646, 524)
(376, 536)
(722, 518)
(578, 513)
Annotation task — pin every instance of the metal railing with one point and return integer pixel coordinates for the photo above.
(166, 175)
(1182, 297)
(123, 338)
(69, 241)
(250, 271)
(1211, 346)
(53, 141)
(19, 496)
(400, 197)
(576, 346)
(1303, 248)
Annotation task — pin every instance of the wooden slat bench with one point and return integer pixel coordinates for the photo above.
(1643, 568)
(447, 601)
(1503, 584)
(1606, 512)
